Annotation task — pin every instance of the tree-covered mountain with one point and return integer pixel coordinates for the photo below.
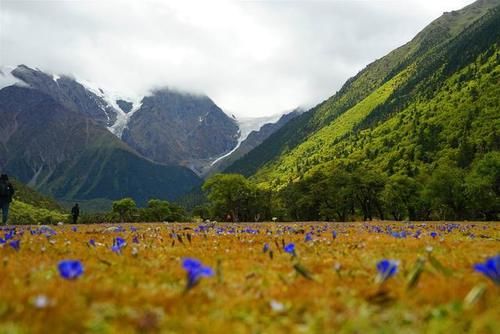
(426, 110)
(389, 87)
(67, 154)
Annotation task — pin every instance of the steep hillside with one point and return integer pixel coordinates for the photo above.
(446, 78)
(31, 207)
(274, 158)
(68, 155)
(32, 197)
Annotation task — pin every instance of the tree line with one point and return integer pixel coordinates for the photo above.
(347, 192)
(126, 210)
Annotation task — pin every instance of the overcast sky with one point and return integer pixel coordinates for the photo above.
(252, 58)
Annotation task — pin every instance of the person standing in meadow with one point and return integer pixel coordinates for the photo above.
(6, 194)
(75, 213)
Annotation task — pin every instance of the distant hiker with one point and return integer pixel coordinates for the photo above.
(6, 194)
(75, 212)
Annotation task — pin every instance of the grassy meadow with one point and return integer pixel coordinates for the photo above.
(133, 279)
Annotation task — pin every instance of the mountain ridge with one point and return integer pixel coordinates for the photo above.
(267, 165)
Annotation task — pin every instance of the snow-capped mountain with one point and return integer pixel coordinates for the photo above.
(165, 126)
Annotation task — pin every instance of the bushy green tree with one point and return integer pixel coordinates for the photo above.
(232, 195)
(368, 186)
(400, 196)
(446, 191)
(124, 208)
(336, 194)
(483, 186)
(157, 210)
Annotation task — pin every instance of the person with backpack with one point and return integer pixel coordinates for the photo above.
(6, 194)
(75, 212)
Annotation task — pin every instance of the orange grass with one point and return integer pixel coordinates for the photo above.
(130, 293)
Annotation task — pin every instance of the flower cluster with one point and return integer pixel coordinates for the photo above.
(490, 268)
(70, 269)
(195, 271)
(386, 269)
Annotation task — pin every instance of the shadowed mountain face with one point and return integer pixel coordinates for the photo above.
(433, 99)
(173, 127)
(69, 155)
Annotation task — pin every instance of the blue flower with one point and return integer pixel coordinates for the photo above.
(266, 248)
(70, 269)
(290, 248)
(386, 269)
(9, 235)
(16, 244)
(308, 237)
(195, 270)
(334, 235)
(135, 239)
(92, 242)
(74, 229)
(433, 234)
(490, 268)
(118, 244)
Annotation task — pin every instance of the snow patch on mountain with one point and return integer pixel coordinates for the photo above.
(247, 125)
(111, 98)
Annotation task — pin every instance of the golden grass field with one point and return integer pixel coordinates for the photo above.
(329, 287)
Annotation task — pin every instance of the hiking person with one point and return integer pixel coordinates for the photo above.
(75, 212)
(6, 194)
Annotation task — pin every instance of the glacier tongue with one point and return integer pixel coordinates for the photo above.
(247, 125)
(122, 118)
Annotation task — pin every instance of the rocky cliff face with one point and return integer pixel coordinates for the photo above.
(173, 127)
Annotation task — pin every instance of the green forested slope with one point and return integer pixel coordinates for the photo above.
(416, 134)
(429, 46)
(452, 96)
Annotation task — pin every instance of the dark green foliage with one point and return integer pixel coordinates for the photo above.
(234, 198)
(446, 190)
(401, 197)
(343, 194)
(483, 186)
(125, 210)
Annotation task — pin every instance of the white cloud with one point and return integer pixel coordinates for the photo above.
(251, 58)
